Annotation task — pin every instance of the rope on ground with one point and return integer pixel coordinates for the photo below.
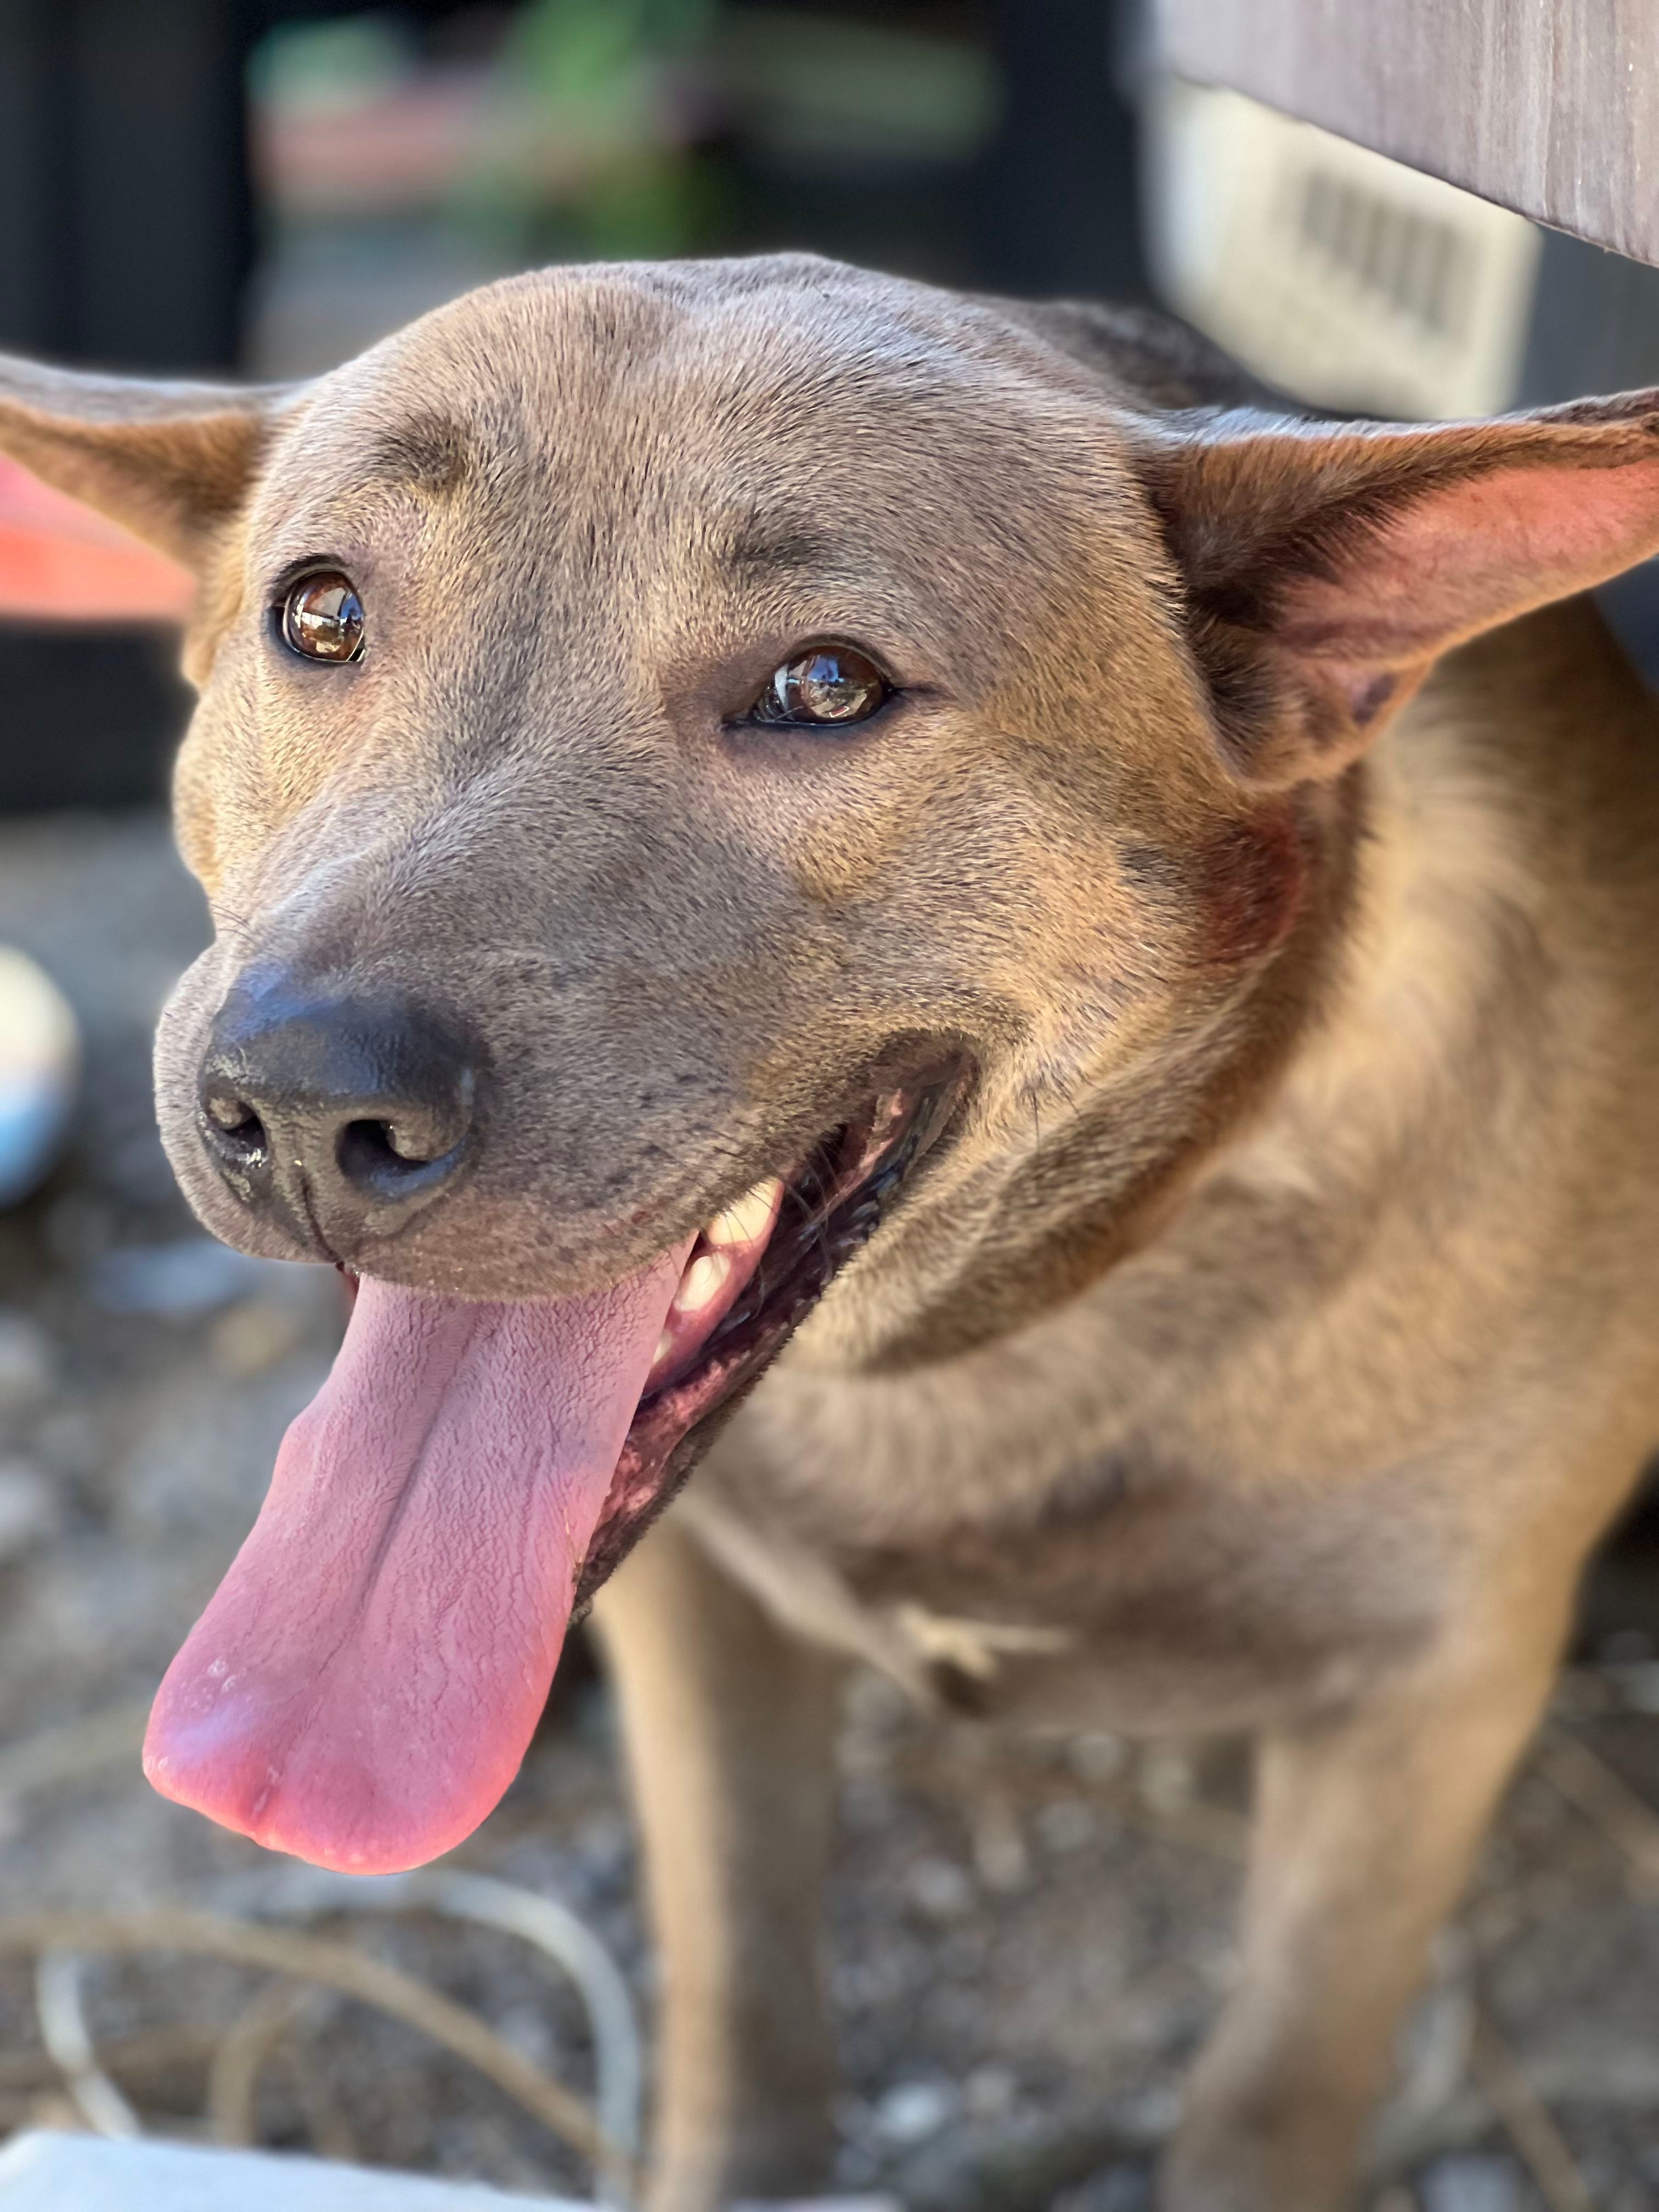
(247, 2044)
(335, 1966)
(68, 2044)
(1502, 2080)
(103, 1739)
(1591, 1786)
(549, 1927)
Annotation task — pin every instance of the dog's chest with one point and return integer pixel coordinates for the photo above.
(1052, 1531)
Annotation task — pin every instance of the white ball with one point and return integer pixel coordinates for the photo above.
(39, 1060)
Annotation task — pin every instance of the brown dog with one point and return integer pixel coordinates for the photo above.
(934, 801)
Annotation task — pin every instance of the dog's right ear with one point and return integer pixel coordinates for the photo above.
(1325, 567)
(173, 463)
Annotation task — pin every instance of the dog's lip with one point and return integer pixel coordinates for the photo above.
(834, 1202)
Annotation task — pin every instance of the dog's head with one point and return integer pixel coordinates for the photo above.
(723, 785)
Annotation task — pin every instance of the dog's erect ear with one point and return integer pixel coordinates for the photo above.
(170, 462)
(1328, 565)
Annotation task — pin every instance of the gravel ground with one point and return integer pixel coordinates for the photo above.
(1029, 1934)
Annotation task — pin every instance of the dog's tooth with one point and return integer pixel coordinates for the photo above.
(751, 1217)
(703, 1282)
(665, 1345)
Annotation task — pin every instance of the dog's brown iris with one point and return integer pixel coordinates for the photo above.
(322, 618)
(825, 683)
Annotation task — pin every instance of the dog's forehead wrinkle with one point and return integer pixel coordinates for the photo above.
(426, 448)
(751, 544)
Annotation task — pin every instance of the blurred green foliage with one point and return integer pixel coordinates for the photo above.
(590, 148)
(605, 128)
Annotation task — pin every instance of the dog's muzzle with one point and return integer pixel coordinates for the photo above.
(337, 1117)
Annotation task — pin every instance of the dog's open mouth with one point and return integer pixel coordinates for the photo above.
(752, 1275)
(362, 1688)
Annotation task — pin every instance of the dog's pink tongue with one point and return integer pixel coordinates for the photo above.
(362, 1688)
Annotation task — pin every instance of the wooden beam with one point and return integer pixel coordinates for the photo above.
(1549, 106)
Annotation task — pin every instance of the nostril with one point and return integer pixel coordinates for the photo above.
(380, 1145)
(396, 1157)
(233, 1128)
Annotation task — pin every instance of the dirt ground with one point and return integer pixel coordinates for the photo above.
(1029, 1936)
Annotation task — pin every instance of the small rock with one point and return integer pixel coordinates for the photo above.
(1000, 1858)
(1470, 2184)
(873, 1984)
(196, 1275)
(1097, 1757)
(29, 1508)
(876, 1706)
(604, 1841)
(26, 1364)
(939, 1889)
(989, 2091)
(255, 1336)
(1152, 2113)
(79, 1226)
(70, 1441)
(910, 2111)
(868, 1806)
(1114, 2189)
(1168, 1778)
(1067, 1825)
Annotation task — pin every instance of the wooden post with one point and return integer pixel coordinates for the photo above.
(1549, 106)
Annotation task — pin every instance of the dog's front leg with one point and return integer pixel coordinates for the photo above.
(1367, 1824)
(730, 1728)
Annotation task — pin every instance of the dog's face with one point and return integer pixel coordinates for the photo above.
(721, 786)
(764, 696)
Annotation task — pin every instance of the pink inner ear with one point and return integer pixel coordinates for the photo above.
(1464, 557)
(60, 561)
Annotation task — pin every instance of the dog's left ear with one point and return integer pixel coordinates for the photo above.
(172, 463)
(1327, 566)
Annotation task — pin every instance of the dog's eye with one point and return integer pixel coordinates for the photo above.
(827, 684)
(322, 618)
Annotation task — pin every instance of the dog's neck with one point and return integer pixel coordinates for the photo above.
(1356, 1051)
(1061, 1184)
(1442, 1009)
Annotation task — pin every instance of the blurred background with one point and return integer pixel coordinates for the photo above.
(1029, 1934)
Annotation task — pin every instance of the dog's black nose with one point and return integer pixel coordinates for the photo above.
(343, 1114)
